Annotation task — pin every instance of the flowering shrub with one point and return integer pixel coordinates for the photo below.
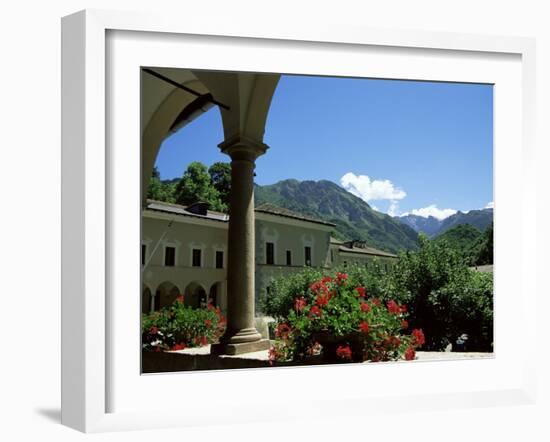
(342, 322)
(445, 298)
(178, 326)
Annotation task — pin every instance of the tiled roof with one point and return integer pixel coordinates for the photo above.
(344, 246)
(366, 251)
(280, 211)
(176, 209)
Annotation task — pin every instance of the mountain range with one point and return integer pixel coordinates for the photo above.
(353, 217)
(432, 227)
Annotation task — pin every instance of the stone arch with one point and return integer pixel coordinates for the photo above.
(216, 294)
(146, 299)
(195, 295)
(247, 96)
(166, 294)
(159, 116)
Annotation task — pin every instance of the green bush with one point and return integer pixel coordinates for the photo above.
(280, 300)
(446, 298)
(178, 326)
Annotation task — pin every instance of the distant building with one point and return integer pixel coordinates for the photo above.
(486, 268)
(184, 251)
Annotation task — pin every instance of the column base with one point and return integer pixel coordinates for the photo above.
(226, 348)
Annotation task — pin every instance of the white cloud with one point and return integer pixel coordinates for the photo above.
(432, 210)
(366, 189)
(393, 210)
(490, 205)
(375, 208)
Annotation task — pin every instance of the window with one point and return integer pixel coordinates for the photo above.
(288, 258)
(219, 259)
(331, 255)
(196, 258)
(386, 267)
(345, 264)
(307, 253)
(170, 256)
(143, 254)
(269, 253)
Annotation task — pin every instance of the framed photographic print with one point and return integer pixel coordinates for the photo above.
(248, 212)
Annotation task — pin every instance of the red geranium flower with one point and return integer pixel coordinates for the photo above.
(273, 355)
(300, 303)
(179, 346)
(326, 279)
(179, 299)
(364, 327)
(365, 307)
(321, 300)
(315, 311)
(410, 354)
(154, 330)
(208, 323)
(344, 352)
(403, 308)
(404, 324)
(376, 302)
(419, 338)
(361, 291)
(393, 307)
(282, 331)
(315, 287)
(204, 340)
(341, 277)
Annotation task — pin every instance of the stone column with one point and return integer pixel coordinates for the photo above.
(241, 335)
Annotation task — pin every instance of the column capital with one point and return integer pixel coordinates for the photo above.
(240, 147)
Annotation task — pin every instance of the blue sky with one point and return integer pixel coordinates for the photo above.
(402, 146)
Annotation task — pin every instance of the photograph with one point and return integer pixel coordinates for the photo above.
(295, 220)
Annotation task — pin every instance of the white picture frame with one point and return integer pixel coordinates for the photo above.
(87, 211)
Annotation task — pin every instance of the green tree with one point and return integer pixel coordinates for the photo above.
(220, 174)
(196, 185)
(159, 190)
(445, 297)
(483, 250)
(461, 238)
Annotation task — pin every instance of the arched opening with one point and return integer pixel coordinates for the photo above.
(215, 296)
(195, 295)
(243, 100)
(146, 299)
(165, 295)
(166, 109)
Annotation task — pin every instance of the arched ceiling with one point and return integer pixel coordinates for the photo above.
(155, 91)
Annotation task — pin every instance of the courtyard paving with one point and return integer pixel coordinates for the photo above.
(421, 355)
